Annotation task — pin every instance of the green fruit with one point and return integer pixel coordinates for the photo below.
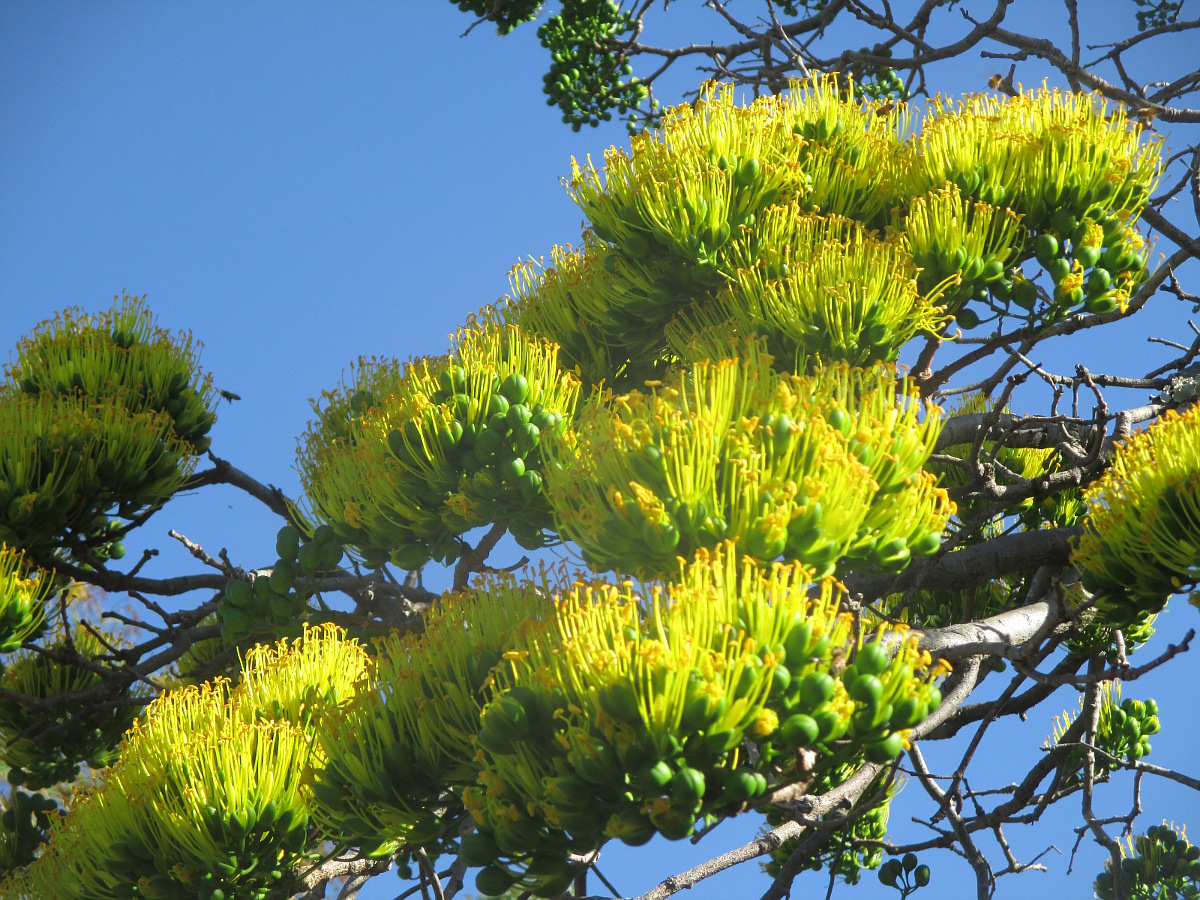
(838, 419)
(1099, 281)
(620, 702)
(1024, 294)
(816, 688)
(796, 644)
(687, 785)
(926, 546)
(492, 881)
(740, 786)
(780, 679)
(410, 556)
(235, 620)
(510, 470)
(830, 724)
(486, 484)
(287, 542)
(966, 318)
(908, 712)
(1088, 256)
(1064, 221)
(871, 659)
(674, 824)
(518, 414)
(653, 778)
(526, 436)
(630, 827)
(799, 730)
(514, 388)
(282, 576)
(238, 592)
(718, 742)
(748, 172)
(992, 271)
(866, 689)
(1046, 248)
(309, 557)
(1059, 269)
(889, 872)
(283, 606)
(570, 792)
(1100, 306)
(884, 751)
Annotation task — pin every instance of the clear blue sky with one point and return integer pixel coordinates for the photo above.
(303, 183)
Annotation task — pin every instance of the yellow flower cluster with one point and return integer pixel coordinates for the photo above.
(208, 794)
(407, 458)
(1142, 543)
(99, 415)
(816, 468)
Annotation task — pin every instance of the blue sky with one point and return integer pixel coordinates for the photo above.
(303, 183)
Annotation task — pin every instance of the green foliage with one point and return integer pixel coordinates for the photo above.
(629, 712)
(24, 593)
(876, 82)
(814, 469)
(746, 280)
(733, 221)
(394, 751)
(24, 824)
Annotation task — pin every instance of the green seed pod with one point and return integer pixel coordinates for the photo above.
(866, 689)
(492, 880)
(287, 542)
(309, 558)
(872, 659)
(966, 318)
(239, 592)
(282, 576)
(687, 785)
(884, 751)
(1058, 269)
(800, 730)
(1046, 248)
